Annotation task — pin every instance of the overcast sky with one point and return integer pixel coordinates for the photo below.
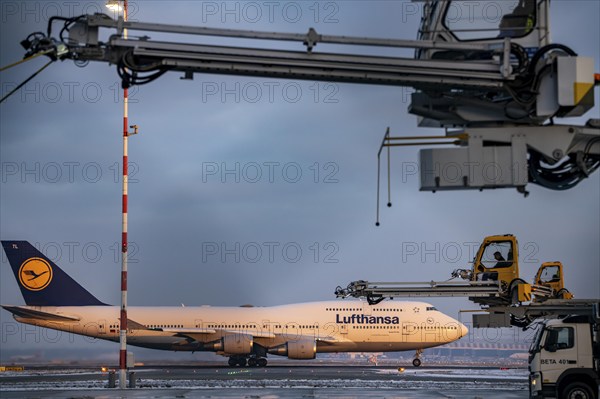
(248, 190)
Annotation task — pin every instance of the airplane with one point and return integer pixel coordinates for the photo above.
(246, 334)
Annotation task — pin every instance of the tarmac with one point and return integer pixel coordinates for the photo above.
(281, 381)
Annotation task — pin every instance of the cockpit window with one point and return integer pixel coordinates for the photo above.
(487, 19)
(430, 308)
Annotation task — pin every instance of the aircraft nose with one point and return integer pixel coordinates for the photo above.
(463, 330)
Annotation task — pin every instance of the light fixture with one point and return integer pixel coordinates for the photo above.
(114, 5)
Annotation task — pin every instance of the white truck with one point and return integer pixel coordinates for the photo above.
(564, 358)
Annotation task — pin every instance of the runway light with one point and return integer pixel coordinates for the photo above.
(401, 369)
(104, 369)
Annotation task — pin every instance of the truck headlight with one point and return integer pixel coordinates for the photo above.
(535, 381)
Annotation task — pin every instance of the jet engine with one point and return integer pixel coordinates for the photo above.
(302, 349)
(234, 344)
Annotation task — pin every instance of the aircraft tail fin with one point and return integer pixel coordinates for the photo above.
(41, 281)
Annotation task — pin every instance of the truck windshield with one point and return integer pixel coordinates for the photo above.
(487, 19)
(537, 340)
(550, 274)
(497, 254)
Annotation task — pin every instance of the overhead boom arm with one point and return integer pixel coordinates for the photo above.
(499, 92)
(149, 57)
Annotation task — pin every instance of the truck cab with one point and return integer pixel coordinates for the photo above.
(549, 282)
(487, 21)
(497, 260)
(564, 359)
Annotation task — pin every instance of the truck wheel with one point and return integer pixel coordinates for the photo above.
(578, 390)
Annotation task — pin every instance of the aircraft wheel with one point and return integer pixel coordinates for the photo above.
(416, 362)
(242, 362)
(232, 362)
(262, 362)
(252, 362)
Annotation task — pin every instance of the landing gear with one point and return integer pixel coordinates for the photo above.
(257, 362)
(417, 360)
(251, 361)
(237, 361)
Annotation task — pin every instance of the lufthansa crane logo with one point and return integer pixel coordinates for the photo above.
(35, 274)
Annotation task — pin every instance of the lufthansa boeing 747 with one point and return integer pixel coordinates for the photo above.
(244, 334)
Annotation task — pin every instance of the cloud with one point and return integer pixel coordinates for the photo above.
(196, 159)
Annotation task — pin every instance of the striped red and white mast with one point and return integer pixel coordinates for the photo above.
(116, 6)
(124, 246)
(123, 318)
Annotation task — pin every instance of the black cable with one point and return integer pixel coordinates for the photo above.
(50, 21)
(67, 26)
(128, 70)
(130, 62)
(562, 176)
(37, 35)
(530, 79)
(522, 57)
(541, 52)
(25, 81)
(589, 145)
(132, 78)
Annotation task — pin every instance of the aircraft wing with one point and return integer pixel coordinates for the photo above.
(28, 313)
(187, 331)
(198, 333)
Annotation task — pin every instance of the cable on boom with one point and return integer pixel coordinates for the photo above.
(129, 70)
(25, 81)
(566, 173)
